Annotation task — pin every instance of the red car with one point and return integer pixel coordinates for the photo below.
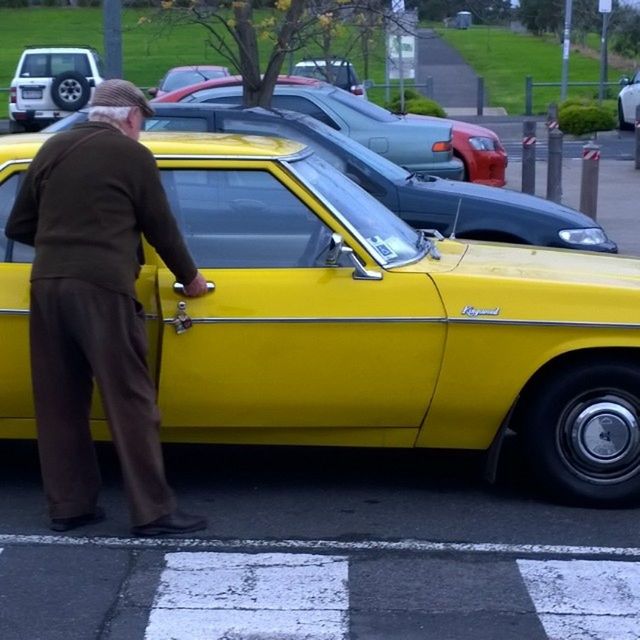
(479, 149)
(484, 157)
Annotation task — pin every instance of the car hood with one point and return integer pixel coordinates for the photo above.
(502, 282)
(498, 198)
(471, 130)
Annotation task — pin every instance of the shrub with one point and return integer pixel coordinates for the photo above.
(415, 102)
(578, 119)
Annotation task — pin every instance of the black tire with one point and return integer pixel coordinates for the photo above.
(582, 433)
(622, 124)
(16, 127)
(70, 91)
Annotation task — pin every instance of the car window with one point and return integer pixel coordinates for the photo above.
(35, 65)
(11, 251)
(61, 62)
(244, 219)
(302, 105)
(175, 123)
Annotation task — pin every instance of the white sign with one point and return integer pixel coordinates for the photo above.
(604, 6)
(401, 56)
(397, 6)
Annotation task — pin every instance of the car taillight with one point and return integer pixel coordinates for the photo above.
(441, 146)
(13, 95)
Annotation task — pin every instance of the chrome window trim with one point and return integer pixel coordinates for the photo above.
(547, 323)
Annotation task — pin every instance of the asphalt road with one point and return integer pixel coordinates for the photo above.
(379, 544)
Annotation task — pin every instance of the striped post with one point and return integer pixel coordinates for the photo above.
(529, 156)
(589, 183)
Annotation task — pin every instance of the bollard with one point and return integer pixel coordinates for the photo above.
(480, 96)
(638, 137)
(589, 182)
(529, 156)
(552, 116)
(554, 166)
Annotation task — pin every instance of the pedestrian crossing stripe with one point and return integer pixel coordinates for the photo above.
(585, 599)
(240, 595)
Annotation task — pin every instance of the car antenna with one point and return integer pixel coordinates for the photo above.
(455, 221)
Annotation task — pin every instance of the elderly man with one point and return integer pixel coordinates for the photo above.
(85, 201)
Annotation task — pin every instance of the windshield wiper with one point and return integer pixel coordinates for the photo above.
(425, 242)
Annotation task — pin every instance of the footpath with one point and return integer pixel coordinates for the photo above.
(454, 87)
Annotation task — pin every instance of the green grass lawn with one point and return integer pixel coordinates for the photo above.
(503, 58)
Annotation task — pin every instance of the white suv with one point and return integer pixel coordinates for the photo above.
(628, 100)
(51, 82)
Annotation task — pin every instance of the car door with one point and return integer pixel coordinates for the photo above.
(16, 399)
(284, 340)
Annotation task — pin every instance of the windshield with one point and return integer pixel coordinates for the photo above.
(365, 157)
(179, 79)
(390, 240)
(369, 109)
(67, 123)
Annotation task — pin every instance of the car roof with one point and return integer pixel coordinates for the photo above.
(319, 62)
(232, 81)
(187, 67)
(170, 144)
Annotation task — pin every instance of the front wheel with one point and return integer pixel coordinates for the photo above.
(582, 433)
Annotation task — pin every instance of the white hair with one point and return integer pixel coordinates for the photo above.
(112, 115)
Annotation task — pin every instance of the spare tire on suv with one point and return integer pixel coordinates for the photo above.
(70, 90)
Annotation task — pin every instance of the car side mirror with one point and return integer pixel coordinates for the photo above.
(152, 91)
(337, 248)
(368, 84)
(624, 81)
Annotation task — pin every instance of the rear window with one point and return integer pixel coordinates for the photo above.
(339, 74)
(46, 65)
(179, 79)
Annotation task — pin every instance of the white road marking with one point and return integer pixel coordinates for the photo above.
(236, 596)
(408, 545)
(585, 599)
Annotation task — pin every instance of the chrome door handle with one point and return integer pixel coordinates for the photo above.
(178, 288)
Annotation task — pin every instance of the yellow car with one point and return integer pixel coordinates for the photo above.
(332, 322)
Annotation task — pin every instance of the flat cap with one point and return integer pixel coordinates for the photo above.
(120, 93)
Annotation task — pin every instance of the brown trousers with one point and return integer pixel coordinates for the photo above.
(79, 332)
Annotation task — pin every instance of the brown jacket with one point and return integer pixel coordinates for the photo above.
(86, 216)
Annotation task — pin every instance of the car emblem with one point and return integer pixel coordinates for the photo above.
(474, 312)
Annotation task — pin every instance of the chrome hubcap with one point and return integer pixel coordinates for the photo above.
(600, 439)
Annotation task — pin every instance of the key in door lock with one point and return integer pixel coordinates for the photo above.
(181, 321)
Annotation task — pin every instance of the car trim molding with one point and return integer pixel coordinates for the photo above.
(313, 320)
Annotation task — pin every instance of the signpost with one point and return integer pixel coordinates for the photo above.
(566, 47)
(401, 47)
(604, 8)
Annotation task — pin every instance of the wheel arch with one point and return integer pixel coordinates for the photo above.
(565, 362)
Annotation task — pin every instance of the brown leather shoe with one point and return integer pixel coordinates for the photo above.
(173, 523)
(66, 524)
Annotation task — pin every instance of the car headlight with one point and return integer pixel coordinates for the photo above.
(482, 144)
(591, 236)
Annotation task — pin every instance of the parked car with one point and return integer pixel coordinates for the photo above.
(418, 145)
(51, 82)
(628, 100)
(479, 149)
(339, 72)
(179, 77)
(467, 210)
(335, 323)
